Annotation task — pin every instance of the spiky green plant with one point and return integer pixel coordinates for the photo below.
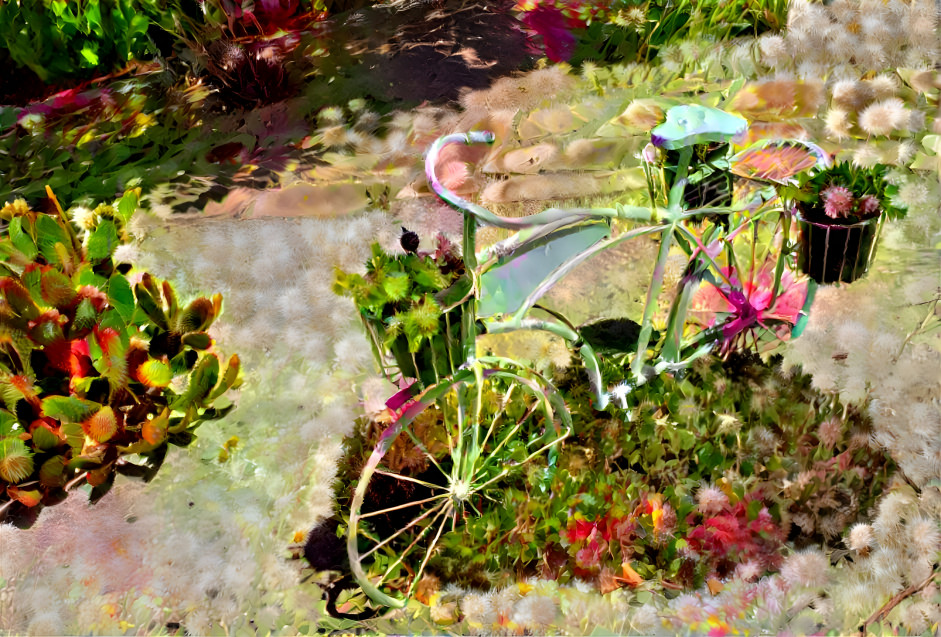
(91, 368)
(409, 300)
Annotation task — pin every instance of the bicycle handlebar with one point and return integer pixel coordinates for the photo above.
(555, 216)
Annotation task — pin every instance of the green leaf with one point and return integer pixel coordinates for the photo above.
(103, 241)
(197, 340)
(112, 364)
(127, 205)
(202, 379)
(396, 285)
(87, 276)
(68, 409)
(21, 239)
(44, 439)
(19, 299)
(197, 316)
(85, 316)
(56, 288)
(150, 307)
(121, 296)
(49, 233)
(52, 472)
(7, 420)
(90, 54)
(8, 116)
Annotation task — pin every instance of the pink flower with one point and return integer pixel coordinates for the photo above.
(549, 22)
(868, 206)
(837, 202)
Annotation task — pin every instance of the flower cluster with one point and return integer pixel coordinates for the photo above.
(742, 535)
(854, 36)
(839, 203)
(846, 193)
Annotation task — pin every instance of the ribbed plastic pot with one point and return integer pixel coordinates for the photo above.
(437, 358)
(832, 253)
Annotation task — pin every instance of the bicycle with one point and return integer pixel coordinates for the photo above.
(460, 441)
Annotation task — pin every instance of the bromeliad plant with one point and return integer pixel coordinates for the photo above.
(99, 372)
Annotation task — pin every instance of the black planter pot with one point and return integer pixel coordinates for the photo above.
(831, 253)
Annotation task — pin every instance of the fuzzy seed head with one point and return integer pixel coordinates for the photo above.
(924, 535)
(806, 568)
(335, 136)
(883, 86)
(914, 193)
(850, 94)
(84, 218)
(838, 123)
(774, 50)
(478, 610)
(830, 432)
(866, 156)
(711, 500)
(535, 612)
(884, 116)
(642, 114)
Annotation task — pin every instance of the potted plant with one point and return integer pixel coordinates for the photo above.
(840, 211)
(412, 307)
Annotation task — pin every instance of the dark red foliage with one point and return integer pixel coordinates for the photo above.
(731, 535)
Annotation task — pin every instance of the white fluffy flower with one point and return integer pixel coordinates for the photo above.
(84, 218)
(535, 612)
(645, 619)
(838, 123)
(711, 500)
(774, 50)
(866, 156)
(883, 86)
(860, 537)
(806, 568)
(883, 117)
(924, 536)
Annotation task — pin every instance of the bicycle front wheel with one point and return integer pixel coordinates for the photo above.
(445, 456)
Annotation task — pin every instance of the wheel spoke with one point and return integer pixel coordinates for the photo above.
(417, 539)
(429, 550)
(499, 414)
(400, 531)
(410, 479)
(418, 443)
(403, 506)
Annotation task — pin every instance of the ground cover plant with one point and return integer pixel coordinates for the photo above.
(785, 482)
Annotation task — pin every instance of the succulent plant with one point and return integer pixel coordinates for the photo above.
(97, 376)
